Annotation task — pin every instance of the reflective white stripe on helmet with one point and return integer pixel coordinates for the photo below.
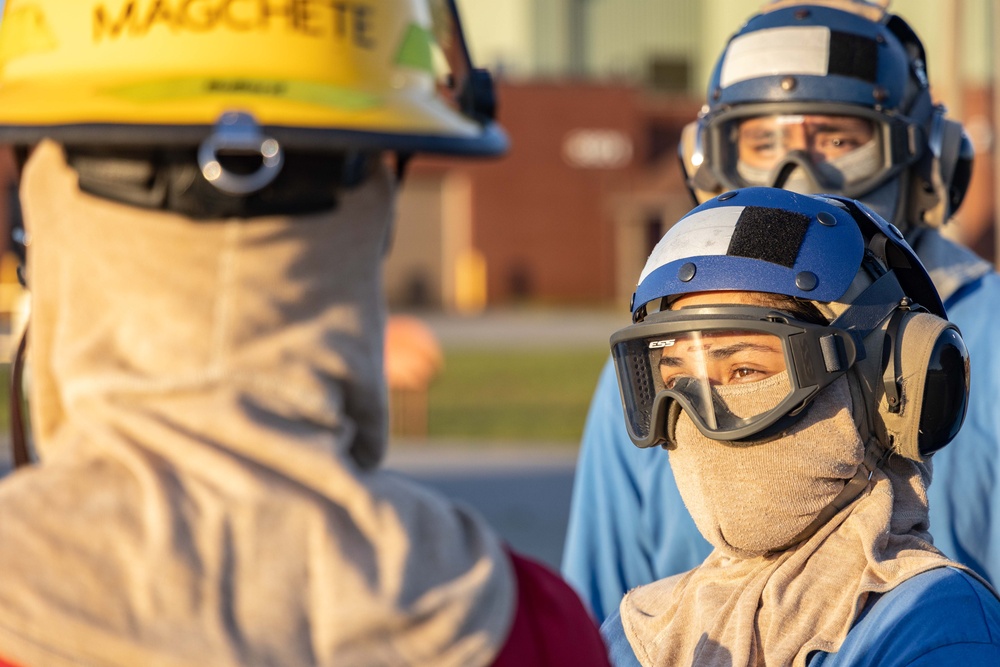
(794, 50)
(707, 232)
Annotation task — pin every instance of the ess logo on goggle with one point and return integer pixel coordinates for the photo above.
(662, 343)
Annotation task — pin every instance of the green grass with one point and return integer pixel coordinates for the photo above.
(526, 395)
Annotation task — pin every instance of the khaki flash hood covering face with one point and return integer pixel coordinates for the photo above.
(207, 402)
(749, 605)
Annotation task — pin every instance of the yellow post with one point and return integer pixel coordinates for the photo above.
(470, 282)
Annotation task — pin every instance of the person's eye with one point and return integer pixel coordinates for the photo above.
(670, 380)
(763, 146)
(840, 144)
(743, 374)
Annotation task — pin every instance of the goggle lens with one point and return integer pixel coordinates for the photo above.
(835, 150)
(730, 378)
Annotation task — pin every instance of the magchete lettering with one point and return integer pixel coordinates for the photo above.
(344, 20)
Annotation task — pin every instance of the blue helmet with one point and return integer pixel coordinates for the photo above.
(817, 99)
(878, 320)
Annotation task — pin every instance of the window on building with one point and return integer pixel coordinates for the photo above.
(669, 74)
(654, 231)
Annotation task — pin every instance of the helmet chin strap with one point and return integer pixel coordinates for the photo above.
(875, 453)
(854, 489)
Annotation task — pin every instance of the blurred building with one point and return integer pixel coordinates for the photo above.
(594, 94)
(568, 216)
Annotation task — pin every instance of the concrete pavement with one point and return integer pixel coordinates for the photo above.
(527, 327)
(523, 490)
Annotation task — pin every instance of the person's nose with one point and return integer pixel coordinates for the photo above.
(797, 139)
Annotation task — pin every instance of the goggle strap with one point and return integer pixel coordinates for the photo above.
(871, 308)
(833, 356)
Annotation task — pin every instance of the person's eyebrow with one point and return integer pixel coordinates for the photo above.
(833, 127)
(757, 132)
(730, 350)
(721, 352)
(670, 361)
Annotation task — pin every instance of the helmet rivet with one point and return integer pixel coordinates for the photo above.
(789, 83)
(802, 14)
(826, 219)
(880, 39)
(880, 94)
(717, 93)
(726, 196)
(686, 273)
(806, 281)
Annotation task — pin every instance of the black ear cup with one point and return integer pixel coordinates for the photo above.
(953, 158)
(946, 393)
(925, 382)
(960, 172)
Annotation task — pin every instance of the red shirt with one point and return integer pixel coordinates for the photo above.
(551, 625)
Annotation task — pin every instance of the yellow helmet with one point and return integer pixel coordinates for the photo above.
(311, 74)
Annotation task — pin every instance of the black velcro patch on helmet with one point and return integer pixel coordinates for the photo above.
(769, 235)
(854, 56)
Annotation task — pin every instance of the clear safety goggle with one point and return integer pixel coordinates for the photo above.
(808, 151)
(737, 371)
